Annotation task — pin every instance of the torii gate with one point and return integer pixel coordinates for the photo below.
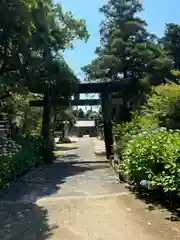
(105, 89)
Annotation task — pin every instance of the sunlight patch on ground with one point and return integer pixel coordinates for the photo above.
(59, 153)
(64, 144)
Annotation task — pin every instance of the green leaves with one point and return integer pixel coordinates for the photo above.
(33, 36)
(17, 158)
(147, 150)
(128, 51)
(118, 31)
(163, 104)
(171, 43)
(154, 156)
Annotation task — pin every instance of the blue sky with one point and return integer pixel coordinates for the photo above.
(156, 14)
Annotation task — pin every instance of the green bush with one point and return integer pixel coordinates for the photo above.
(164, 105)
(154, 156)
(149, 145)
(162, 109)
(17, 158)
(125, 131)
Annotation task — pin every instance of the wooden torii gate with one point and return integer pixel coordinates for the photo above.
(105, 89)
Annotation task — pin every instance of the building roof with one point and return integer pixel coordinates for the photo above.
(85, 123)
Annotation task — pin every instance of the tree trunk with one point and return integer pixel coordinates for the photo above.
(53, 120)
(47, 149)
(107, 120)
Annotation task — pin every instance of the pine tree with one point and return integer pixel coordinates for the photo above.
(127, 51)
(171, 43)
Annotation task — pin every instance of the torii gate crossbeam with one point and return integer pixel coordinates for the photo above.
(105, 89)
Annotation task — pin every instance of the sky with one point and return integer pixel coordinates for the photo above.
(156, 14)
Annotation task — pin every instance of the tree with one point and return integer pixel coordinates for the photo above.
(80, 114)
(17, 26)
(171, 43)
(65, 114)
(92, 115)
(27, 120)
(33, 36)
(56, 78)
(128, 52)
(55, 31)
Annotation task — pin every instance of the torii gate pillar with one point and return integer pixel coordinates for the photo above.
(106, 99)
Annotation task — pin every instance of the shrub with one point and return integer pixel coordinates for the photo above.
(125, 131)
(162, 109)
(17, 158)
(176, 74)
(164, 105)
(154, 156)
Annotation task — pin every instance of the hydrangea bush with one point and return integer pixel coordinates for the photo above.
(154, 156)
(16, 158)
(125, 131)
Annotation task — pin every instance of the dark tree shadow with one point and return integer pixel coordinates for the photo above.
(61, 142)
(62, 148)
(24, 221)
(157, 198)
(93, 163)
(70, 157)
(100, 154)
(73, 141)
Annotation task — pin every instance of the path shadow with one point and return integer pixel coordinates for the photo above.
(158, 199)
(47, 180)
(70, 157)
(90, 162)
(24, 221)
(63, 148)
(61, 142)
(100, 154)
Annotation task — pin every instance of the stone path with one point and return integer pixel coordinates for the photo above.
(77, 173)
(99, 147)
(78, 198)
